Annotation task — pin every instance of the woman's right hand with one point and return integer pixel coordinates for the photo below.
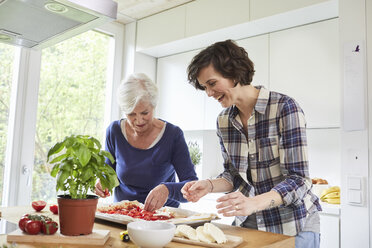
(194, 190)
(99, 191)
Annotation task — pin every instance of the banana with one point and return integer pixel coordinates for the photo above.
(331, 195)
(333, 201)
(331, 189)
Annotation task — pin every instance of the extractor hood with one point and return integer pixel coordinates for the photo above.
(41, 23)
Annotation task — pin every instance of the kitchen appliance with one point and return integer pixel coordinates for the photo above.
(41, 23)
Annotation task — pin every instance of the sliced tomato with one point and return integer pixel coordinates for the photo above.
(53, 209)
(38, 205)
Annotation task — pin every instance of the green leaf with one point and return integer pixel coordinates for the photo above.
(83, 154)
(61, 178)
(66, 166)
(55, 149)
(88, 173)
(55, 170)
(59, 158)
(98, 144)
(99, 159)
(108, 155)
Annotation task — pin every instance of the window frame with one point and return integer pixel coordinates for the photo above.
(19, 159)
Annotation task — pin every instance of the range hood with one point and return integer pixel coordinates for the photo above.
(41, 23)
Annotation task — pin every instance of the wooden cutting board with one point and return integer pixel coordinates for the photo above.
(232, 241)
(97, 237)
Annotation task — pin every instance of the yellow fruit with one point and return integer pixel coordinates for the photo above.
(333, 201)
(331, 195)
(330, 190)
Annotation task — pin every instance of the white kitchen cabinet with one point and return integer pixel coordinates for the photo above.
(329, 229)
(264, 8)
(179, 102)
(161, 28)
(304, 64)
(208, 15)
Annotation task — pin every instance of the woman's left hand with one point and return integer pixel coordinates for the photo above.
(156, 198)
(236, 204)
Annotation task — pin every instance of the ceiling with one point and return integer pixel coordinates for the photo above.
(132, 10)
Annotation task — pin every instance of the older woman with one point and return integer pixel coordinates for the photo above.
(263, 141)
(149, 152)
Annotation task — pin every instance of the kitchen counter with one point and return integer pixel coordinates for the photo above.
(251, 238)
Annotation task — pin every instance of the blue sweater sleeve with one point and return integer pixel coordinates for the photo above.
(183, 166)
(110, 144)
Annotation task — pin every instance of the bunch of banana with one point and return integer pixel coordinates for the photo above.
(331, 195)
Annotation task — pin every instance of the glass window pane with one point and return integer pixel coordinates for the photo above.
(7, 54)
(71, 100)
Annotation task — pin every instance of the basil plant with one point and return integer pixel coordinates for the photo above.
(78, 162)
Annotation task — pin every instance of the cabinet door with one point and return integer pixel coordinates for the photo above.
(161, 28)
(329, 231)
(209, 15)
(304, 64)
(179, 102)
(264, 8)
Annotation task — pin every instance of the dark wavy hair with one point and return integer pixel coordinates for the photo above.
(227, 58)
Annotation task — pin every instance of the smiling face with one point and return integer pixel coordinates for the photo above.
(141, 118)
(217, 86)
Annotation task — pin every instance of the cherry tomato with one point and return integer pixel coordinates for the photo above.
(38, 205)
(49, 227)
(33, 227)
(22, 222)
(106, 192)
(54, 209)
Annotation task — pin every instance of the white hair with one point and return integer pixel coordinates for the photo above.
(137, 87)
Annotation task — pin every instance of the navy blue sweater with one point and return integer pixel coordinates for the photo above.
(140, 170)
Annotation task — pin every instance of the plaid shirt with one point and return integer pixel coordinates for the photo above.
(275, 155)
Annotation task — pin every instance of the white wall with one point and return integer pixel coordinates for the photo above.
(355, 222)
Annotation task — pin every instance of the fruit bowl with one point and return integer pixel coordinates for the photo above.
(151, 234)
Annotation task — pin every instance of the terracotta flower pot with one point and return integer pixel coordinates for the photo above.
(76, 216)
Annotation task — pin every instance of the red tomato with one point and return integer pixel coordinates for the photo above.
(49, 227)
(22, 222)
(106, 192)
(33, 227)
(54, 209)
(38, 205)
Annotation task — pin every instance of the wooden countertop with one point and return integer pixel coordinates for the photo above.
(252, 238)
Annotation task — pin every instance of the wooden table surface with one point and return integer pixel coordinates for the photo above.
(251, 238)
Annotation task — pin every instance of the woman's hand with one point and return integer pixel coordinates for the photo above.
(99, 191)
(156, 198)
(194, 190)
(236, 204)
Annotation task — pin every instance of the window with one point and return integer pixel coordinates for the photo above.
(7, 55)
(71, 100)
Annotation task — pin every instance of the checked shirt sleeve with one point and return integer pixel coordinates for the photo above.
(293, 154)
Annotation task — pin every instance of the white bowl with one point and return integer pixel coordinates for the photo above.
(318, 189)
(151, 234)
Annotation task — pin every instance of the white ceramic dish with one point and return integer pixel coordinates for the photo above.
(318, 189)
(184, 216)
(151, 234)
